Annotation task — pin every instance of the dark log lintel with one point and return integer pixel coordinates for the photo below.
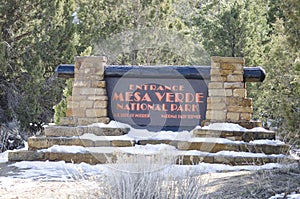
(251, 74)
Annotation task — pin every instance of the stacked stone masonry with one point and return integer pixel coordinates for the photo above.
(227, 101)
(88, 103)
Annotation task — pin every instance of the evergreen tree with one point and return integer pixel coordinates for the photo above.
(36, 36)
(136, 32)
(234, 28)
(279, 102)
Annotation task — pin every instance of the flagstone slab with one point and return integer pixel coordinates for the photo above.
(111, 157)
(68, 131)
(235, 135)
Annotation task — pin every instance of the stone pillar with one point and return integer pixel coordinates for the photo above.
(227, 101)
(88, 103)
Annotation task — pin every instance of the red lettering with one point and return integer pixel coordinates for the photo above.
(189, 97)
(195, 108)
(146, 98)
(153, 87)
(199, 97)
(131, 87)
(137, 96)
(117, 97)
(179, 97)
(187, 107)
(181, 88)
(173, 107)
(128, 96)
(170, 97)
(160, 96)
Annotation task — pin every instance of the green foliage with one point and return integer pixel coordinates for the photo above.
(279, 100)
(291, 15)
(61, 107)
(138, 32)
(265, 33)
(234, 28)
(32, 45)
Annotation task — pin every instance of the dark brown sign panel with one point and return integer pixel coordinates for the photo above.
(157, 103)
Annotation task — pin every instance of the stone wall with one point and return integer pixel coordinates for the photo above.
(88, 103)
(227, 101)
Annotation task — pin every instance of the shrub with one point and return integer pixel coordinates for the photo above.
(149, 177)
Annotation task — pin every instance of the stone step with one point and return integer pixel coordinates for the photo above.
(90, 158)
(205, 144)
(35, 143)
(214, 147)
(109, 156)
(67, 131)
(235, 135)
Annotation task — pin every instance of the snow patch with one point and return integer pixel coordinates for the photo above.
(293, 195)
(148, 149)
(246, 154)
(94, 137)
(215, 140)
(65, 149)
(56, 170)
(224, 127)
(268, 142)
(68, 171)
(231, 127)
(4, 157)
(210, 168)
(111, 124)
(259, 129)
(193, 152)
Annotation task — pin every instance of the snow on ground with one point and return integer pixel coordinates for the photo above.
(4, 155)
(286, 196)
(62, 171)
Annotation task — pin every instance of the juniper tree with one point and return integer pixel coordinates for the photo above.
(36, 36)
(234, 28)
(279, 101)
(134, 31)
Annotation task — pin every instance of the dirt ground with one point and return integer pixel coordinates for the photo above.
(239, 184)
(253, 184)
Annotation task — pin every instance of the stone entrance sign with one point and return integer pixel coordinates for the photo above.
(159, 97)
